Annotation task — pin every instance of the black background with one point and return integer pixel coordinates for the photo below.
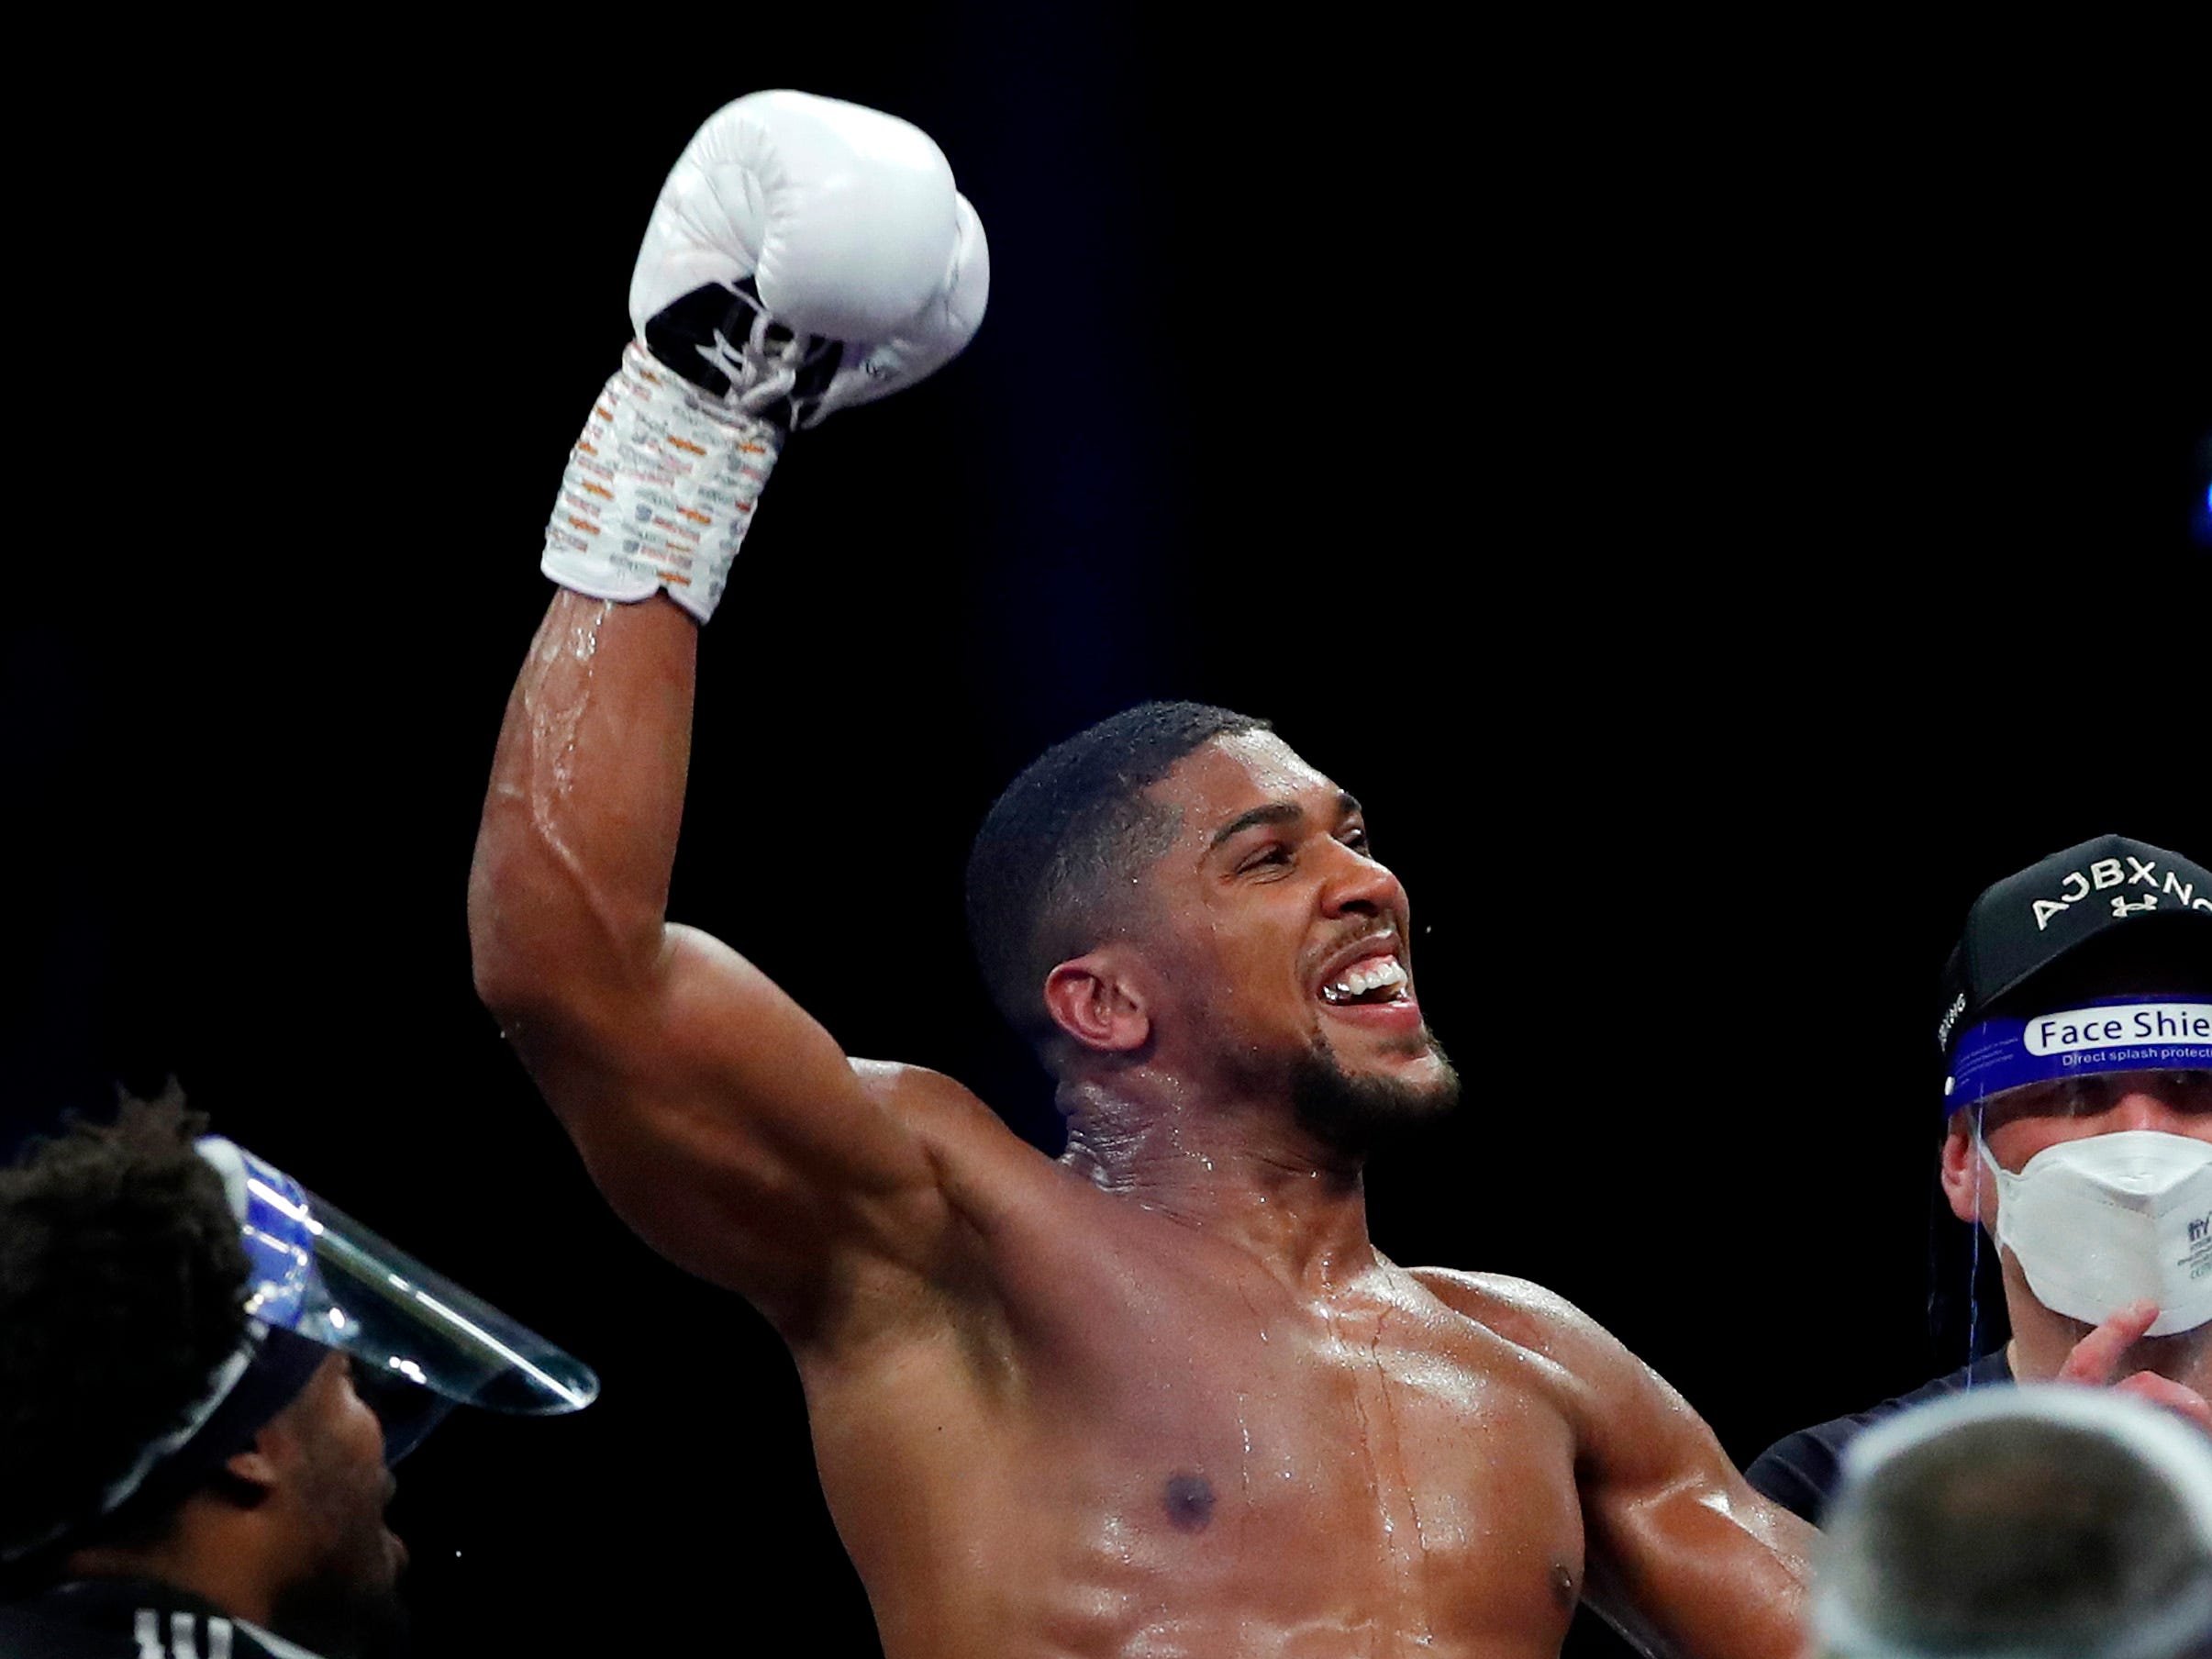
(1719, 502)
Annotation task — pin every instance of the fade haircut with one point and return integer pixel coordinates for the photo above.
(1052, 866)
(122, 1289)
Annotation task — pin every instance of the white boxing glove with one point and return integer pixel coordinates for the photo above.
(805, 255)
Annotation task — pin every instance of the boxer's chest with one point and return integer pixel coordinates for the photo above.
(1362, 1452)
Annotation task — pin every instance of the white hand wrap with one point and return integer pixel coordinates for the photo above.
(659, 492)
(805, 255)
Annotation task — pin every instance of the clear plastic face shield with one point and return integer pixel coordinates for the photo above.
(2090, 1128)
(319, 1281)
(420, 1344)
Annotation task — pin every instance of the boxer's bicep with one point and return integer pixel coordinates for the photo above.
(720, 1120)
(1685, 1556)
(733, 1134)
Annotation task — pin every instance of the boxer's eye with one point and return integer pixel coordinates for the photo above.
(1274, 853)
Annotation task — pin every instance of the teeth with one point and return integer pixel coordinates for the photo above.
(1373, 976)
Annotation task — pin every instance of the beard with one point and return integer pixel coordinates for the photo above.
(349, 1606)
(1355, 1114)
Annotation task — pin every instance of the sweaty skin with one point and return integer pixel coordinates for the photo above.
(1161, 1396)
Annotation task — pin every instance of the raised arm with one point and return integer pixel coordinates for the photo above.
(723, 1123)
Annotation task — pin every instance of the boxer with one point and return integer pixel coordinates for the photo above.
(1161, 1395)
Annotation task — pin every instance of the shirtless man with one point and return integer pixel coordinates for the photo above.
(1161, 1396)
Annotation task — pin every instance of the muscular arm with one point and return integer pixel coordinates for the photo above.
(720, 1120)
(1683, 1558)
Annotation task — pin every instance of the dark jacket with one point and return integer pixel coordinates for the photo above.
(126, 1618)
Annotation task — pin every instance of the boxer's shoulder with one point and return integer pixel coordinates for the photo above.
(1564, 1343)
(1518, 1309)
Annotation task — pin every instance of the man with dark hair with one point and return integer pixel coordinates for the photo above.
(1163, 1395)
(2075, 1029)
(2037, 1523)
(1059, 864)
(1064, 845)
(190, 1462)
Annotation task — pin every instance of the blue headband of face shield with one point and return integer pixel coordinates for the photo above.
(318, 1281)
(314, 1271)
(2108, 1035)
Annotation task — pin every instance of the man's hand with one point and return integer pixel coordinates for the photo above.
(2098, 1356)
(801, 231)
(805, 255)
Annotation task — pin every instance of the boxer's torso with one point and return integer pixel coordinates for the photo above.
(1125, 1436)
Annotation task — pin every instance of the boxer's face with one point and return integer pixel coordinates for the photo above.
(1280, 945)
(2022, 1122)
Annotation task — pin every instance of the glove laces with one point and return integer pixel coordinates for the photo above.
(764, 369)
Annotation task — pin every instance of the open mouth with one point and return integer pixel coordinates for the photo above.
(1376, 981)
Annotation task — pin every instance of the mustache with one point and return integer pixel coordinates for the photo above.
(1377, 928)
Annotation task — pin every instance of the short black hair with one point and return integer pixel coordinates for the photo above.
(1060, 848)
(122, 1291)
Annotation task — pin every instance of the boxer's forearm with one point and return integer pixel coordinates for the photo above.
(881, 277)
(568, 891)
(721, 1120)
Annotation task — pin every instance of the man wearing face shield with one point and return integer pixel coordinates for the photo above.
(2077, 1033)
(206, 1373)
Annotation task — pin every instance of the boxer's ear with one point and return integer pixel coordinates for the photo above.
(1966, 1183)
(1095, 1000)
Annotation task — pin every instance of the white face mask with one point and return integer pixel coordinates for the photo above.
(2101, 1222)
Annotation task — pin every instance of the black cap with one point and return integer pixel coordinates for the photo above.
(2104, 889)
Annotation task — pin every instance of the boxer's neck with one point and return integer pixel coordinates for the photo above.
(1240, 1172)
